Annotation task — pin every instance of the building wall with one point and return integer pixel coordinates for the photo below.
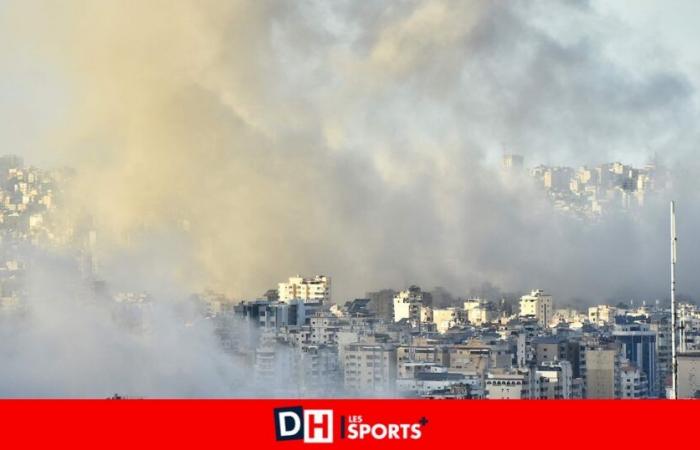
(602, 373)
(444, 319)
(688, 374)
(369, 368)
(505, 387)
(316, 289)
(537, 304)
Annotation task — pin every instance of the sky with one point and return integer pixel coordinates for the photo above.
(232, 144)
(35, 96)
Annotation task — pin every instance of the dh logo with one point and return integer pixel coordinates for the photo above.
(314, 426)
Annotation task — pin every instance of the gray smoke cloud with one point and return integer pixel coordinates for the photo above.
(358, 139)
(68, 342)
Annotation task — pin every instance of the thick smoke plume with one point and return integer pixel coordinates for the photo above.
(356, 139)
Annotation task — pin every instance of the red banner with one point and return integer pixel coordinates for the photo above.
(130, 424)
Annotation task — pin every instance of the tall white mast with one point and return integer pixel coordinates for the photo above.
(674, 361)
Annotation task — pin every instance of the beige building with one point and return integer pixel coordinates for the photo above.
(509, 384)
(603, 373)
(479, 312)
(476, 356)
(422, 353)
(310, 290)
(369, 368)
(537, 304)
(602, 314)
(446, 318)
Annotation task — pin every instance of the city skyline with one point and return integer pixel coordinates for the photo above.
(197, 190)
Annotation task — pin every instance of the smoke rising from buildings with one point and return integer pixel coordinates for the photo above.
(68, 345)
(231, 144)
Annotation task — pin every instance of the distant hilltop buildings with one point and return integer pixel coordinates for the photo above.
(591, 192)
(27, 199)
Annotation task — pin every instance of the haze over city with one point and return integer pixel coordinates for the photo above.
(168, 149)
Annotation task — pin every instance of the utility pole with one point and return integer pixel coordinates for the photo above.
(674, 356)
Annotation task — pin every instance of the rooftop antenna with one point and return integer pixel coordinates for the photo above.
(674, 356)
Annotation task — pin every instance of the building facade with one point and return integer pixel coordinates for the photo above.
(315, 289)
(537, 304)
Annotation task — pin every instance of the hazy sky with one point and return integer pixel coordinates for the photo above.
(33, 96)
(231, 144)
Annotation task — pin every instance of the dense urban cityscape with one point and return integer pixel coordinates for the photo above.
(400, 343)
(298, 339)
(591, 192)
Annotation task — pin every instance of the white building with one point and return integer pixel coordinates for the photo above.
(538, 305)
(633, 381)
(409, 305)
(310, 290)
(556, 380)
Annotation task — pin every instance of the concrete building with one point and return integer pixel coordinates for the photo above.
(689, 375)
(602, 315)
(411, 305)
(382, 303)
(477, 356)
(480, 312)
(661, 324)
(272, 359)
(603, 373)
(324, 328)
(549, 349)
(314, 290)
(271, 314)
(422, 353)
(408, 369)
(436, 380)
(317, 369)
(568, 317)
(556, 380)
(633, 383)
(446, 318)
(369, 368)
(538, 305)
(510, 384)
